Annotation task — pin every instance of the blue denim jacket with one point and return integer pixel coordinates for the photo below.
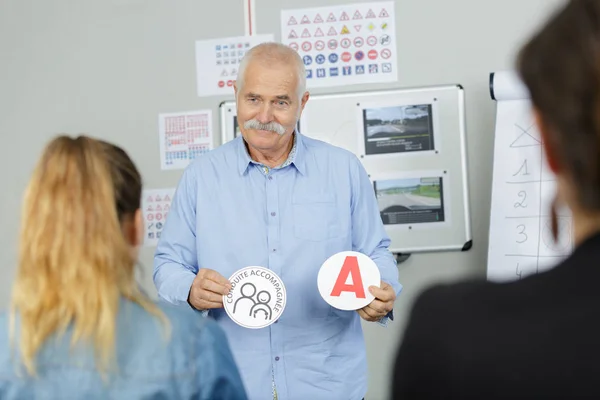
(195, 363)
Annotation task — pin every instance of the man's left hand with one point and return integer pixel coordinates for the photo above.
(381, 305)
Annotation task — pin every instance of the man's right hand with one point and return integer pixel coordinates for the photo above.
(208, 290)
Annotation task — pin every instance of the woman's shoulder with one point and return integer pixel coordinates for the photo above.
(182, 320)
(184, 317)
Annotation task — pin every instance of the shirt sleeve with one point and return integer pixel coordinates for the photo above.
(368, 233)
(218, 376)
(175, 259)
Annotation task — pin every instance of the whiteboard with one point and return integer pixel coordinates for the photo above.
(520, 236)
(412, 143)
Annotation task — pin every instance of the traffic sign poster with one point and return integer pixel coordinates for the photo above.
(155, 208)
(217, 62)
(344, 45)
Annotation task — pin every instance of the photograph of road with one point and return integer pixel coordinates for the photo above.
(410, 201)
(236, 127)
(398, 129)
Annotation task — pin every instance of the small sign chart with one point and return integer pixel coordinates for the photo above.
(183, 137)
(357, 42)
(217, 61)
(156, 204)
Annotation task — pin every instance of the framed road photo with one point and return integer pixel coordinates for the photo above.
(396, 129)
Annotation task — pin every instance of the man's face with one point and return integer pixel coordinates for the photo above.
(268, 106)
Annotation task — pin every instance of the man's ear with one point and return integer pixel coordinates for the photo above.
(305, 98)
(547, 143)
(235, 88)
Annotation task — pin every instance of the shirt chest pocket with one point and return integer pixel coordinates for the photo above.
(316, 218)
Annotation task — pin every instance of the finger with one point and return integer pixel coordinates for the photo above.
(371, 313)
(217, 277)
(205, 295)
(202, 301)
(365, 316)
(378, 306)
(204, 305)
(214, 287)
(384, 293)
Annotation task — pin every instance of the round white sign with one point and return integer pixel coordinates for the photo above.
(344, 280)
(256, 299)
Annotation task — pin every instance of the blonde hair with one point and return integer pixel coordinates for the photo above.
(74, 260)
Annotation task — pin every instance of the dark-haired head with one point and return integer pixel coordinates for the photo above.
(560, 65)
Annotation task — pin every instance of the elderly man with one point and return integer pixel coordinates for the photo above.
(278, 199)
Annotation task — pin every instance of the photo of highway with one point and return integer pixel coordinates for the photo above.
(236, 127)
(413, 200)
(398, 129)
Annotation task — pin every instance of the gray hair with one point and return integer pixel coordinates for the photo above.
(270, 52)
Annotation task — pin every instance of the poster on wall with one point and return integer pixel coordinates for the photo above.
(345, 44)
(398, 129)
(412, 199)
(386, 128)
(155, 208)
(184, 136)
(217, 62)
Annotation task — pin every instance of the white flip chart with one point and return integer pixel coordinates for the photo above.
(520, 236)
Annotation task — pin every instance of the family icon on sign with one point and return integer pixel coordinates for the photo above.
(258, 296)
(261, 303)
(256, 299)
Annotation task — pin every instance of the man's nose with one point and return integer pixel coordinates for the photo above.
(265, 115)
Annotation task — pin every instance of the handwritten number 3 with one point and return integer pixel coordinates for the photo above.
(522, 232)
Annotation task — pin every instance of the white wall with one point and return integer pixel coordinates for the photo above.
(108, 67)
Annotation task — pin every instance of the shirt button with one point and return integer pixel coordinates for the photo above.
(277, 358)
(270, 178)
(274, 250)
(273, 214)
(276, 321)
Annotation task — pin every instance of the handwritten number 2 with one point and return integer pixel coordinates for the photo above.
(522, 194)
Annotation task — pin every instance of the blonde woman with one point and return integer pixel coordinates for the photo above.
(79, 327)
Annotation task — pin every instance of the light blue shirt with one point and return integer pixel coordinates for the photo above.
(230, 212)
(194, 363)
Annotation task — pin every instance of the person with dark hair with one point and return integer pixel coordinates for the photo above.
(79, 327)
(539, 336)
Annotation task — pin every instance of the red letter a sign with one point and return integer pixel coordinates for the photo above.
(350, 267)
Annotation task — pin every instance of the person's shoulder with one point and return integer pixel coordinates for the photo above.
(451, 300)
(185, 321)
(473, 299)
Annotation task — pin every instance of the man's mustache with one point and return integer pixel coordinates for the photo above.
(271, 126)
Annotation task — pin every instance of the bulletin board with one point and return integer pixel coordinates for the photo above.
(412, 143)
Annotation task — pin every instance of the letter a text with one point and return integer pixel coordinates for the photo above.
(350, 267)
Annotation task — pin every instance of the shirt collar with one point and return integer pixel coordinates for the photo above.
(296, 156)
